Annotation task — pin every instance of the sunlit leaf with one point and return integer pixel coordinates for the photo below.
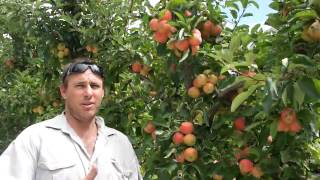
(239, 99)
(308, 86)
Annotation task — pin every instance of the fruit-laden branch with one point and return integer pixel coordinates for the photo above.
(223, 92)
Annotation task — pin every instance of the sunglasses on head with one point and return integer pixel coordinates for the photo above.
(82, 67)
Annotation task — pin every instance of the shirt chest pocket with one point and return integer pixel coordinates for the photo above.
(112, 170)
(57, 170)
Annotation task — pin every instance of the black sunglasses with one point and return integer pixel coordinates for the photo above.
(82, 67)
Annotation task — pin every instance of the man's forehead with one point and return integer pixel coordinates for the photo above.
(87, 76)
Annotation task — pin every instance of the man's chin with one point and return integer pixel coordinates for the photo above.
(87, 115)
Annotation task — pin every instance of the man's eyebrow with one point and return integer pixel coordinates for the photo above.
(80, 82)
(84, 82)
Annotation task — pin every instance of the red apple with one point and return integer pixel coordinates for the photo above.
(180, 158)
(177, 138)
(245, 166)
(190, 154)
(150, 128)
(186, 127)
(240, 123)
(189, 139)
(200, 80)
(194, 92)
(154, 24)
(208, 88)
(136, 67)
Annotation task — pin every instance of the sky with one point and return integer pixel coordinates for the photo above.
(259, 15)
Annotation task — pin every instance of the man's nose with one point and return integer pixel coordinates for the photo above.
(88, 91)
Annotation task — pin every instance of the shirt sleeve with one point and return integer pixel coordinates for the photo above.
(134, 163)
(18, 161)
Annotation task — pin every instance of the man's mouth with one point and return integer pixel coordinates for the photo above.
(87, 105)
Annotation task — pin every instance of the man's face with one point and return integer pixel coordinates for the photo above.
(83, 95)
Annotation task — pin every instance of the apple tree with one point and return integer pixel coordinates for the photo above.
(252, 96)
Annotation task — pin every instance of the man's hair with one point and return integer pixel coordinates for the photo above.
(86, 62)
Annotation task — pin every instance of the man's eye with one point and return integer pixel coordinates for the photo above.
(79, 85)
(95, 86)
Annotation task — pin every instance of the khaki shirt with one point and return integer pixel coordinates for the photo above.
(51, 150)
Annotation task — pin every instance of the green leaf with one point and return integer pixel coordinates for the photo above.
(169, 154)
(198, 170)
(317, 84)
(267, 102)
(253, 125)
(232, 5)
(254, 3)
(227, 55)
(244, 3)
(302, 60)
(180, 16)
(287, 94)
(185, 56)
(235, 43)
(255, 28)
(164, 174)
(181, 33)
(308, 86)
(198, 21)
(305, 14)
(250, 57)
(238, 100)
(247, 15)
(274, 129)
(199, 117)
(285, 156)
(275, 5)
(234, 13)
(315, 153)
(298, 95)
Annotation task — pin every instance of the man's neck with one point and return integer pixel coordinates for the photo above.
(86, 130)
(82, 128)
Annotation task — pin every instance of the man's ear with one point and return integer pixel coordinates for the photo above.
(63, 90)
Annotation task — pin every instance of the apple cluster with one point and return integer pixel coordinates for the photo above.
(191, 41)
(161, 28)
(150, 129)
(63, 51)
(185, 136)
(39, 109)
(243, 153)
(8, 64)
(91, 48)
(206, 82)
(209, 29)
(183, 45)
(246, 166)
(141, 69)
(288, 121)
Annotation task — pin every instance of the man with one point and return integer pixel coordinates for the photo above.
(75, 145)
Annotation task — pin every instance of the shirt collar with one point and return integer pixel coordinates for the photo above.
(60, 123)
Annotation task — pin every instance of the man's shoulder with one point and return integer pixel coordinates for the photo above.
(114, 132)
(42, 125)
(34, 133)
